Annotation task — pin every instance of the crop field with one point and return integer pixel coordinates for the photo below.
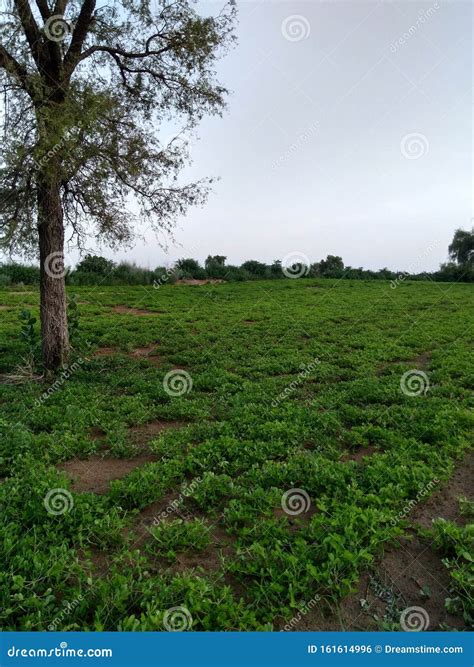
(278, 455)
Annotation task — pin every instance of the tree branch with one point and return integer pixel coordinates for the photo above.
(44, 9)
(79, 35)
(60, 7)
(8, 63)
(31, 30)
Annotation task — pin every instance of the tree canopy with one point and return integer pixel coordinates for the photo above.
(88, 85)
(461, 248)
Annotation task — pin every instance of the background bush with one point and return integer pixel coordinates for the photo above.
(97, 270)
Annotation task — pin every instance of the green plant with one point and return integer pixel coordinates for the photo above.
(172, 537)
(5, 280)
(28, 332)
(73, 317)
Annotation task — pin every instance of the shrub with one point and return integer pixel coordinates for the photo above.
(21, 273)
(191, 268)
(95, 264)
(255, 269)
(5, 280)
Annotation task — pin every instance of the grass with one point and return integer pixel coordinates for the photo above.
(296, 390)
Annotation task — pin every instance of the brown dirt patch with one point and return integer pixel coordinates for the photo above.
(148, 353)
(295, 523)
(126, 310)
(444, 502)
(105, 352)
(96, 561)
(95, 474)
(422, 360)
(359, 454)
(384, 365)
(141, 434)
(6, 307)
(97, 433)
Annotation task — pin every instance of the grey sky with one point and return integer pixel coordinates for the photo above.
(316, 152)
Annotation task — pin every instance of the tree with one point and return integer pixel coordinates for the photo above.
(255, 268)
(276, 269)
(331, 267)
(190, 268)
(96, 264)
(87, 83)
(218, 260)
(314, 270)
(461, 248)
(215, 266)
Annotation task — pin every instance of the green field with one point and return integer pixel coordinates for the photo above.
(274, 466)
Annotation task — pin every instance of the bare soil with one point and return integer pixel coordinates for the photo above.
(106, 352)
(95, 473)
(97, 433)
(141, 434)
(148, 353)
(359, 453)
(420, 362)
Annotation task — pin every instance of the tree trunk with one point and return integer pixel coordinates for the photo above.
(54, 331)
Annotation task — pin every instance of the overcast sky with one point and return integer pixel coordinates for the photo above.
(348, 131)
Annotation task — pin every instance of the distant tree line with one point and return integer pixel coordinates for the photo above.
(95, 270)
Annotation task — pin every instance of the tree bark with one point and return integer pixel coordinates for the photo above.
(54, 330)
